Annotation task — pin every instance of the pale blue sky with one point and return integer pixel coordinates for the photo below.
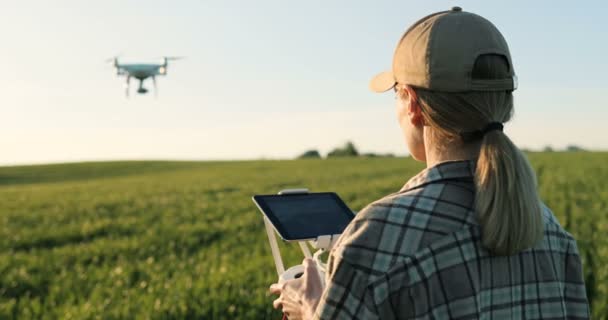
(268, 78)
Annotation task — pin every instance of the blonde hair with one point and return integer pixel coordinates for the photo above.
(507, 204)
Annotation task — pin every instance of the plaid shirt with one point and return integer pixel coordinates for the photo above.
(418, 254)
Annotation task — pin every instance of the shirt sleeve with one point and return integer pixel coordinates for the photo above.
(347, 295)
(363, 252)
(577, 305)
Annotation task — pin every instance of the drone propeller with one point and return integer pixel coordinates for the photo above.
(166, 59)
(114, 59)
(114, 62)
(173, 58)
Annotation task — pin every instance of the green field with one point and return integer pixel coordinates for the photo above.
(173, 240)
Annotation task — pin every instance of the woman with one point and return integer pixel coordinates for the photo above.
(468, 237)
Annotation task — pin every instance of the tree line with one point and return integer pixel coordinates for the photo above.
(347, 150)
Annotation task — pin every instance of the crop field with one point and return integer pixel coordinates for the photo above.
(174, 240)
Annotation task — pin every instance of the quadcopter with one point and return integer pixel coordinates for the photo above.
(141, 71)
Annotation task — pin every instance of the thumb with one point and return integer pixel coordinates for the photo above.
(311, 272)
(309, 264)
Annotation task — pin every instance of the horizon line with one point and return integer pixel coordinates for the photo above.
(244, 159)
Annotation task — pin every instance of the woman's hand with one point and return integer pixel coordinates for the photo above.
(299, 297)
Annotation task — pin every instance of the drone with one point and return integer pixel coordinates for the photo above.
(141, 71)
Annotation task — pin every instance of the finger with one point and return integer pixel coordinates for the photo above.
(293, 316)
(292, 284)
(308, 262)
(313, 285)
(311, 271)
(292, 310)
(276, 285)
(276, 288)
(278, 303)
(310, 267)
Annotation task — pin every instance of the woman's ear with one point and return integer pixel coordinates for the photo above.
(414, 111)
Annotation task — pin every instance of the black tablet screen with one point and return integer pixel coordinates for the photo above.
(306, 216)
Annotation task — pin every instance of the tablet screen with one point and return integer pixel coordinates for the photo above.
(305, 216)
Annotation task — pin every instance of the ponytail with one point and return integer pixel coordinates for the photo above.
(507, 204)
(506, 200)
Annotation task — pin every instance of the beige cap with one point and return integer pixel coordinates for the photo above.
(439, 51)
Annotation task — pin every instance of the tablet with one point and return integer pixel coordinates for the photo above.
(305, 216)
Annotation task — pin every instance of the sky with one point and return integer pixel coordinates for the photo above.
(268, 79)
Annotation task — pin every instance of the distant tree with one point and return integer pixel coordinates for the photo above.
(349, 150)
(376, 155)
(574, 148)
(548, 149)
(310, 154)
(337, 152)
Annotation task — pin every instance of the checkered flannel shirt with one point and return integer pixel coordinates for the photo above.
(416, 254)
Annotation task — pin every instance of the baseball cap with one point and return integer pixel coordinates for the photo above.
(439, 51)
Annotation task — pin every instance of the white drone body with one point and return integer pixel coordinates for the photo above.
(141, 71)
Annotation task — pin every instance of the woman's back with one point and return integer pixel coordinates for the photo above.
(418, 254)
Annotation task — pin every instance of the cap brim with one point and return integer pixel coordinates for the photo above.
(382, 82)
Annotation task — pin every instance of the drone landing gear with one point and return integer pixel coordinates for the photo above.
(141, 89)
(127, 86)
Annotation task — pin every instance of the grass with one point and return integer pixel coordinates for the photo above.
(172, 240)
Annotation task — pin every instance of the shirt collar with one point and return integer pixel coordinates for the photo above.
(449, 170)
